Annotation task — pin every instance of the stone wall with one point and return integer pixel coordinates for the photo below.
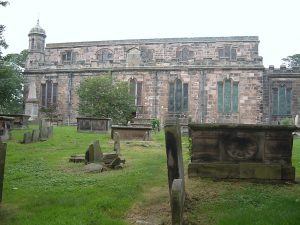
(274, 78)
(199, 62)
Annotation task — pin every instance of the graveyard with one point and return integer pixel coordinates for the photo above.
(41, 186)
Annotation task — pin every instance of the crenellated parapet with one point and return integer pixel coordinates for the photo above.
(283, 71)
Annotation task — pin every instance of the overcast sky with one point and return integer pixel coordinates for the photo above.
(275, 22)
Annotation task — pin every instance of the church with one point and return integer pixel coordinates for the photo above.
(205, 79)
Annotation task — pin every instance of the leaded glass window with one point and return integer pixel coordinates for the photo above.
(49, 93)
(228, 96)
(136, 91)
(281, 100)
(178, 96)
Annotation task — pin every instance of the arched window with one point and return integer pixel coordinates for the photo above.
(136, 91)
(228, 91)
(281, 97)
(104, 55)
(178, 96)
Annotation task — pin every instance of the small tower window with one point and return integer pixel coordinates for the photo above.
(32, 43)
(67, 56)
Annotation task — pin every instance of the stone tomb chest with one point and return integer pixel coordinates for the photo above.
(132, 132)
(20, 120)
(241, 151)
(93, 124)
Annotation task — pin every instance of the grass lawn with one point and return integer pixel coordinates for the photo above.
(42, 188)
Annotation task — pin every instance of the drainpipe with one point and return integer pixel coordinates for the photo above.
(70, 85)
(156, 94)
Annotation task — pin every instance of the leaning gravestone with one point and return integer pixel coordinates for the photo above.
(117, 143)
(2, 165)
(175, 170)
(94, 153)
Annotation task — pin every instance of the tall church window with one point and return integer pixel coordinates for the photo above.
(282, 97)
(228, 52)
(136, 91)
(104, 55)
(49, 94)
(228, 92)
(178, 97)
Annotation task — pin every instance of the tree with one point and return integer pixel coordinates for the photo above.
(291, 61)
(2, 27)
(104, 97)
(11, 82)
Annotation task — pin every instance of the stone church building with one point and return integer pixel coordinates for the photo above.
(207, 79)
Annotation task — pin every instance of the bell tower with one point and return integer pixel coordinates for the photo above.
(36, 57)
(36, 49)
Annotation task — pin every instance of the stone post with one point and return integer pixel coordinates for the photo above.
(117, 147)
(2, 165)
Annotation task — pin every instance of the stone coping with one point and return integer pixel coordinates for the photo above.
(15, 115)
(6, 118)
(132, 127)
(261, 127)
(92, 118)
(154, 41)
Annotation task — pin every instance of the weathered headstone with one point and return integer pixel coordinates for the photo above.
(175, 171)
(174, 153)
(94, 153)
(297, 121)
(50, 131)
(109, 157)
(27, 138)
(77, 158)
(43, 130)
(2, 165)
(93, 167)
(35, 135)
(146, 136)
(115, 162)
(117, 147)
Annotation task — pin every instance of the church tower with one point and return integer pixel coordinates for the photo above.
(36, 56)
(36, 50)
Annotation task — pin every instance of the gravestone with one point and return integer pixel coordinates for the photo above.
(297, 121)
(2, 165)
(35, 135)
(43, 130)
(27, 138)
(93, 168)
(117, 147)
(50, 131)
(175, 170)
(77, 158)
(94, 153)
(146, 136)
